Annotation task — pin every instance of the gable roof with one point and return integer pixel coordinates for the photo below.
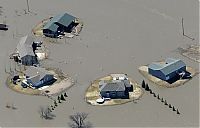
(51, 26)
(63, 19)
(24, 47)
(117, 86)
(34, 79)
(170, 65)
(35, 74)
(127, 83)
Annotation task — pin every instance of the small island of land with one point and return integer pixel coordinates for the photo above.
(30, 84)
(168, 73)
(115, 96)
(59, 26)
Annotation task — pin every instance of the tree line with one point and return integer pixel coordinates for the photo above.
(146, 87)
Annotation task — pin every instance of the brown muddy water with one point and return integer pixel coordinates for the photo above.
(118, 36)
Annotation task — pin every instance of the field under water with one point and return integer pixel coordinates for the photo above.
(118, 36)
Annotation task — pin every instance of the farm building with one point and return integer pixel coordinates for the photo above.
(25, 51)
(59, 24)
(37, 77)
(167, 70)
(115, 89)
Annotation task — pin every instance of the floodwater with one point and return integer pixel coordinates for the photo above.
(118, 36)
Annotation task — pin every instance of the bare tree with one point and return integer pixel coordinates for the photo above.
(13, 107)
(6, 70)
(78, 121)
(45, 112)
(11, 70)
(41, 111)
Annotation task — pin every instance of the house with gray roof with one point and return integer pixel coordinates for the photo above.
(59, 24)
(37, 77)
(24, 51)
(167, 70)
(115, 89)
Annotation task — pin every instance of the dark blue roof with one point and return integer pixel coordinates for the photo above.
(115, 85)
(53, 27)
(63, 19)
(170, 65)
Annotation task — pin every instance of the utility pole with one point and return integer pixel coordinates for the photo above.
(184, 31)
(183, 27)
(27, 2)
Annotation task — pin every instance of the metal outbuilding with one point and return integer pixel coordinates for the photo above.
(59, 24)
(168, 69)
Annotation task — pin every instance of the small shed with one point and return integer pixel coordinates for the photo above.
(119, 76)
(41, 54)
(58, 25)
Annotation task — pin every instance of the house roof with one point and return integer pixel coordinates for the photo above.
(51, 26)
(35, 79)
(35, 74)
(24, 47)
(63, 19)
(168, 66)
(117, 86)
(127, 83)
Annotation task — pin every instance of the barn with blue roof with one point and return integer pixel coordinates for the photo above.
(59, 24)
(168, 69)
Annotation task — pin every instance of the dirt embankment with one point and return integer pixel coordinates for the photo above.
(92, 93)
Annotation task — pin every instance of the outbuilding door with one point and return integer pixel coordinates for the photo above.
(107, 94)
(113, 94)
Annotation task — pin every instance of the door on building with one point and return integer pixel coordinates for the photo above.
(108, 94)
(113, 95)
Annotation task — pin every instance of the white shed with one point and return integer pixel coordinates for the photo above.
(40, 54)
(119, 76)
